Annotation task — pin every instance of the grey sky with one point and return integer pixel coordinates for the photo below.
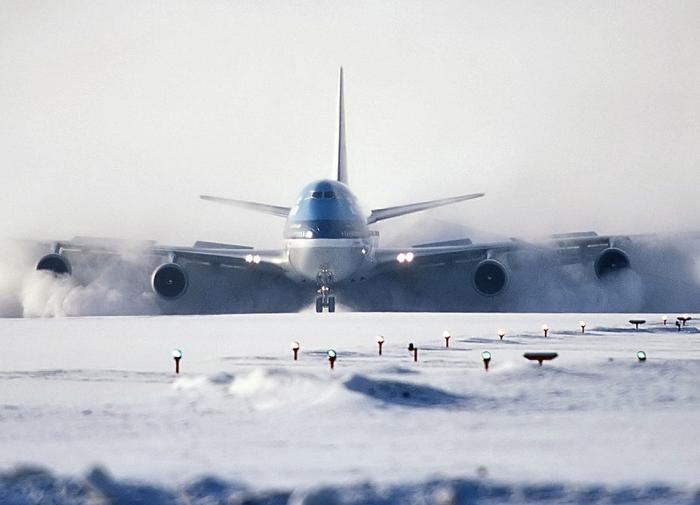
(115, 116)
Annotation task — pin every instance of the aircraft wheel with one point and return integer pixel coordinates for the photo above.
(331, 304)
(319, 304)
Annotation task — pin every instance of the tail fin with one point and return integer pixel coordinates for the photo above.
(341, 157)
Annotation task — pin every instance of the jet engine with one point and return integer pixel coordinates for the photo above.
(170, 281)
(490, 277)
(56, 263)
(611, 260)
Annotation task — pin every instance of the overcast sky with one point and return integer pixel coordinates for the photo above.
(115, 116)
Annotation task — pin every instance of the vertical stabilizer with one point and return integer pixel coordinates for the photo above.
(341, 157)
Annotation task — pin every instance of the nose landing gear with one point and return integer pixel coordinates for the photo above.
(324, 298)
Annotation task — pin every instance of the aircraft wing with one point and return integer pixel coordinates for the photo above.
(558, 249)
(216, 254)
(433, 256)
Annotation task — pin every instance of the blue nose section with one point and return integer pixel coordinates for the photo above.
(326, 209)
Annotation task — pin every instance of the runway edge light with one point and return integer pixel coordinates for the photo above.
(177, 356)
(295, 349)
(486, 358)
(332, 355)
(446, 335)
(414, 349)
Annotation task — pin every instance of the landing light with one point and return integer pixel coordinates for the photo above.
(249, 258)
(308, 234)
(405, 257)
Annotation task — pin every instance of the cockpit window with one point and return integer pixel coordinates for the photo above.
(323, 194)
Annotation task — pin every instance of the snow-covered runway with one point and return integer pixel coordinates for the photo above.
(80, 392)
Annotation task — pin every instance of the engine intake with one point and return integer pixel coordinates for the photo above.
(170, 281)
(611, 260)
(56, 263)
(490, 277)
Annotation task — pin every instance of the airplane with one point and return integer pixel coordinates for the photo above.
(329, 242)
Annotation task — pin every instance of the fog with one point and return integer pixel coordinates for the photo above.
(571, 115)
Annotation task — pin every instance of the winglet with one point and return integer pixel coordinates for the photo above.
(341, 161)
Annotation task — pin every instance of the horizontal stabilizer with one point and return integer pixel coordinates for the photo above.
(275, 210)
(400, 210)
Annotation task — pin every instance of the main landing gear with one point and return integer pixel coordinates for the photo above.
(324, 298)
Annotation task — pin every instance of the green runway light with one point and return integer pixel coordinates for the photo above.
(486, 357)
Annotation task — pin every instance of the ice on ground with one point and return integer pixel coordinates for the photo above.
(594, 425)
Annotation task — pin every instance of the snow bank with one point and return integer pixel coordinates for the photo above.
(33, 485)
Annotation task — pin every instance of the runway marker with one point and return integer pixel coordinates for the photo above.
(684, 318)
(582, 324)
(486, 357)
(540, 356)
(664, 319)
(177, 356)
(501, 333)
(545, 329)
(414, 349)
(637, 322)
(641, 356)
(332, 355)
(295, 348)
(380, 343)
(446, 335)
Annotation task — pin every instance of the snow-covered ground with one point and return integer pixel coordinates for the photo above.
(243, 419)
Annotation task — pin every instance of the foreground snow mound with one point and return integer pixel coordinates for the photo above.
(393, 392)
(32, 485)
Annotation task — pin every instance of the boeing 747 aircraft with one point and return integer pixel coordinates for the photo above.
(328, 242)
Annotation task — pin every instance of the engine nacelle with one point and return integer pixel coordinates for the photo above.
(490, 277)
(170, 281)
(611, 260)
(56, 263)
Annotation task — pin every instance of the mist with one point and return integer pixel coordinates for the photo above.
(571, 116)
